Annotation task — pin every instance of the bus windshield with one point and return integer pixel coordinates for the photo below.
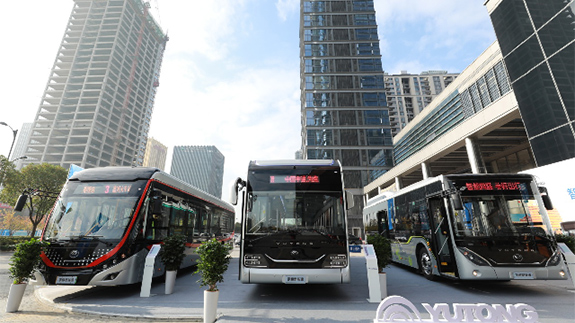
(92, 210)
(300, 211)
(503, 215)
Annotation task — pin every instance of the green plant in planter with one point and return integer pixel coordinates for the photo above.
(172, 253)
(213, 263)
(382, 247)
(25, 260)
(567, 239)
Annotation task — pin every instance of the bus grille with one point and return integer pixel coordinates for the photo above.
(74, 257)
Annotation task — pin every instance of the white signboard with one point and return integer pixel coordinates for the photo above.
(149, 270)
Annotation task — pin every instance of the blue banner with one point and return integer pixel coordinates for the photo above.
(74, 169)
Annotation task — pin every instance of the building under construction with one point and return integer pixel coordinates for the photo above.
(98, 102)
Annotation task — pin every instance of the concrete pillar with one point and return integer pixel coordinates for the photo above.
(398, 183)
(474, 156)
(425, 170)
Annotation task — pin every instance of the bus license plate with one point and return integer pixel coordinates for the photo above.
(66, 280)
(523, 275)
(295, 280)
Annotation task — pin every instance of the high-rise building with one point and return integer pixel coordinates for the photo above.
(538, 47)
(199, 166)
(99, 98)
(343, 103)
(155, 155)
(407, 94)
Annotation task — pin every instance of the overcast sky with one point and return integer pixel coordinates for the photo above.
(230, 73)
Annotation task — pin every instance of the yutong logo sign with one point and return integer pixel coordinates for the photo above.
(399, 309)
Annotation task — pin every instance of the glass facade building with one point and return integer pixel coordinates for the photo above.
(199, 166)
(99, 98)
(343, 101)
(408, 94)
(538, 45)
(458, 106)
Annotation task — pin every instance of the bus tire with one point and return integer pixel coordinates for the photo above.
(425, 264)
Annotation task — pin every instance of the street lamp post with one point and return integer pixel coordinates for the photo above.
(21, 157)
(14, 132)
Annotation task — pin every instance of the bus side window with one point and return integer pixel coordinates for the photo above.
(191, 220)
(157, 227)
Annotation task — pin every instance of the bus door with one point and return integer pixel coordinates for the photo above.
(441, 244)
(382, 226)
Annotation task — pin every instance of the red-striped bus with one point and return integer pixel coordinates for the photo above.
(106, 219)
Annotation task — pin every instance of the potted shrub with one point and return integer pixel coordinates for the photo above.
(213, 263)
(23, 263)
(382, 247)
(172, 255)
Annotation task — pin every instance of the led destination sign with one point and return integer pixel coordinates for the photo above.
(495, 186)
(103, 189)
(293, 179)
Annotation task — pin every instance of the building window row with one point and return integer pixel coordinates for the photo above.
(337, 6)
(342, 65)
(349, 137)
(345, 99)
(325, 82)
(347, 49)
(347, 117)
(336, 20)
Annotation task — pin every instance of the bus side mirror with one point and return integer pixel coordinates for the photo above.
(349, 199)
(22, 199)
(456, 201)
(235, 189)
(546, 199)
(547, 202)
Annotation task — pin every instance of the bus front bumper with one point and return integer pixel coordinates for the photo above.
(295, 276)
(510, 273)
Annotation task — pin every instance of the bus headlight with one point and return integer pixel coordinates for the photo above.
(554, 260)
(335, 261)
(473, 257)
(255, 260)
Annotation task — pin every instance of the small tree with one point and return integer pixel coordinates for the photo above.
(6, 169)
(213, 263)
(25, 260)
(43, 178)
(382, 247)
(172, 253)
(10, 221)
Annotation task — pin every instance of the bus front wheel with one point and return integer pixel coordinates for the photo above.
(425, 264)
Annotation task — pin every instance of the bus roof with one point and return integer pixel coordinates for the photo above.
(383, 196)
(114, 173)
(126, 173)
(178, 183)
(295, 162)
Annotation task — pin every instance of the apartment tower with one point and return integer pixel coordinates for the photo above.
(156, 154)
(98, 101)
(199, 166)
(408, 94)
(343, 102)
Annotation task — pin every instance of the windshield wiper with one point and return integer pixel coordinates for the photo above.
(80, 238)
